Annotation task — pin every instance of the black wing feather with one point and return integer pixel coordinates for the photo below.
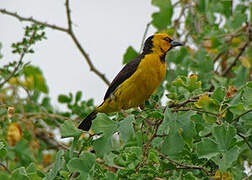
(124, 74)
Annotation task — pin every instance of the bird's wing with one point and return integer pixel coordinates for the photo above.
(124, 74)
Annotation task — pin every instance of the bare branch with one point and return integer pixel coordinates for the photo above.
(245, 139)
(6, 169)
(14, 71)
(194, 109)
(69, 31)
(77, 43)
(20, 18)
(69, 21)
(144, 37)
(146, 146)
(238, 117)
(225, 72)
(184, 166)
(50, 141)
(192, 99)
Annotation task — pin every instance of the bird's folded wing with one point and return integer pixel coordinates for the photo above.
(123, 75)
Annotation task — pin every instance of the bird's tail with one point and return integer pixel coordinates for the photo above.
(87, 122)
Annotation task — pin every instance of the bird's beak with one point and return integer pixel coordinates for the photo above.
(175, 43)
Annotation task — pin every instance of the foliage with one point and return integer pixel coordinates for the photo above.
(196, 126)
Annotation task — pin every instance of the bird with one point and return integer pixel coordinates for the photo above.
(137, 80)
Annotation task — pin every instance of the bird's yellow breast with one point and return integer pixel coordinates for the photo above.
(138, 87)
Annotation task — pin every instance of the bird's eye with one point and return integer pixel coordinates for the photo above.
(168, 39)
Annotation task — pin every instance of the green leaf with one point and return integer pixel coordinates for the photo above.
(69, 130)
(241, 76)
(59, 164)
(201, 6)
(247, 96)
(228, 158)
(35, 75)
(4, 175)
(223, 135)
(187, 127)
(207, 148)
(64, 99)
(218, 94)
(20, 174)
(84, 163)
(103, 124)
(31, 168)
(130, 54)
(3, 150)
(162, 18)
(78, 96)
(23, 152)
(125, 129)
(103, 145)
(173, 142)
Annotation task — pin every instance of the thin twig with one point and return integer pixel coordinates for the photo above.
(14, 71)
(20, 18)
(66, 30)
(238, 117)
(248, 177)
(245, 139)
(225, 72)
(50, 141)
(194, 109)
(19, 61)
(37, 105)
(218, 56)
(184, 166)
(192, 99)
(6, 169)
(69, 21)
(146, 146)
(144, 37)
(77, 43)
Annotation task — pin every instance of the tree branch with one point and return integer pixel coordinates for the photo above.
(14, 71)
(144, 37)
(194, 109)
(69, 21)
(184, 166)
(225, 72)
(77, 43)
(238, 117)
(192, 99)
(146, 146)
(245, 139)
(69, 31)
(20, 18)
(19, 61)
(6, 169)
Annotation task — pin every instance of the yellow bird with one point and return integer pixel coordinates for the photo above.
(138, 79)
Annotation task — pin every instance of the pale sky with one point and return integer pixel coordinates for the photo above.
(104, 28)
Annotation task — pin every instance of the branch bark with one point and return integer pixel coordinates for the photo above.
(192, 99)
(238, 117)
(69, 31)
(226, 71)
(184, 166)
(6, 169)
(245, 139)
